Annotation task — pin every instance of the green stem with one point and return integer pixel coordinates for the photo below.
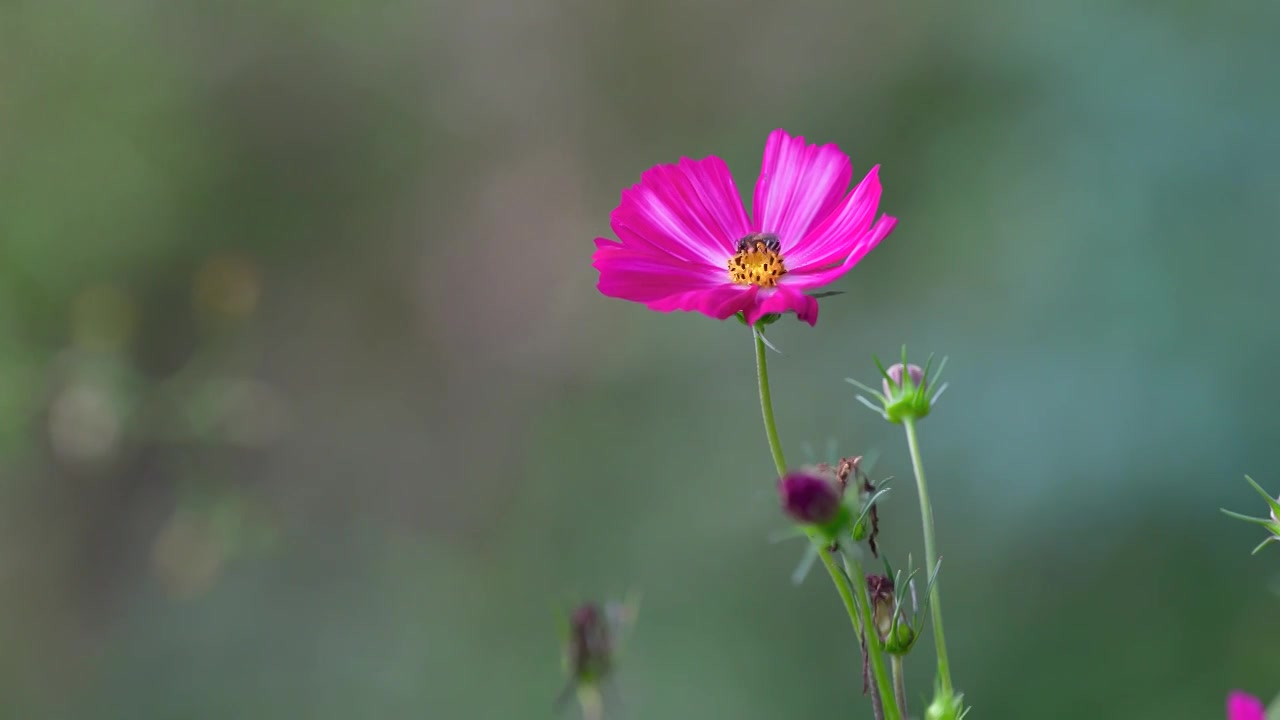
(842, 582)
(591, 701)
(899, 682)
(855, 575)
(931, 555)
(766, 404)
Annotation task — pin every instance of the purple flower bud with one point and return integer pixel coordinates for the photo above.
(590, 645)
(895, 373)
(809, 498)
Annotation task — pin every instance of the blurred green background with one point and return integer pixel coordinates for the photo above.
(309, 407)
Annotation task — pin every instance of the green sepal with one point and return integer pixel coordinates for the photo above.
(946, 706)
(1275, 505)
(764, 321)
(901, 639)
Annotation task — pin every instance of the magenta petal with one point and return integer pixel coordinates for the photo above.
(1243, 706)
(837, 235)
(644, 274)
(859, 248)
(799, 185)
(690, 210)
(783, 299)
(719, 302)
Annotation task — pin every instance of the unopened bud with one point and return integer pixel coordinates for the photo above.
(945, 707)
(1271, 523)
(905, 393)
(590, 645)
(914, 373)
(809, 498)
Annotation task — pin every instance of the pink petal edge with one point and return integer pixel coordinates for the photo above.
(837, 235)
(783, 299)
(798, 186)
(690, 210)
(1243, 706)
(644, 274)
(862, 246)
(720, 302)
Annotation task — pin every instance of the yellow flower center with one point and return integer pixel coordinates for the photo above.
(757, 261)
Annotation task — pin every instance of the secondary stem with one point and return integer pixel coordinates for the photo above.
(855, 574)
(592, 703)
(838, 577)
(899, 682)
(931, 555)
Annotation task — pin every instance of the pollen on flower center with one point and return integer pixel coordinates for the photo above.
(757, 261)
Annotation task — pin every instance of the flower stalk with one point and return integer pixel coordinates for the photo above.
(931, 554)
(859, 615)
(899, 682)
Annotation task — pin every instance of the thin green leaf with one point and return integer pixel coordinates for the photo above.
(878, 410)
(1265, 522)
(806, 564)
(1275, 506)
(924, 376)
(942, 364)
(871, 501)
(1270, 539)
(938, 394)
(865, 388)
(883, 372)
(826, 293)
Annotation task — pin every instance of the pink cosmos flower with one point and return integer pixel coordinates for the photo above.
(1243, 706)
(687, 243)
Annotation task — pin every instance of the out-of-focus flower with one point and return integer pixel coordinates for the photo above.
(809, 498)
(686, 242)
(1243, 706)
(228, 286)
(593, 637)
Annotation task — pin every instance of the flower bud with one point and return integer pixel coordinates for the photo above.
(1271, 523)
(589, 651)
(880, 587)
(905, 393)
(914, 373)
(809, 498)
(945, 707)
(895, 633)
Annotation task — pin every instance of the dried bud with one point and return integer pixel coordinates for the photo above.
(894, 630)
(590, 647)
(880, 588)
(809, 498)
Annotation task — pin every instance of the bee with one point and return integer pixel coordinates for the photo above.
(754, 241)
